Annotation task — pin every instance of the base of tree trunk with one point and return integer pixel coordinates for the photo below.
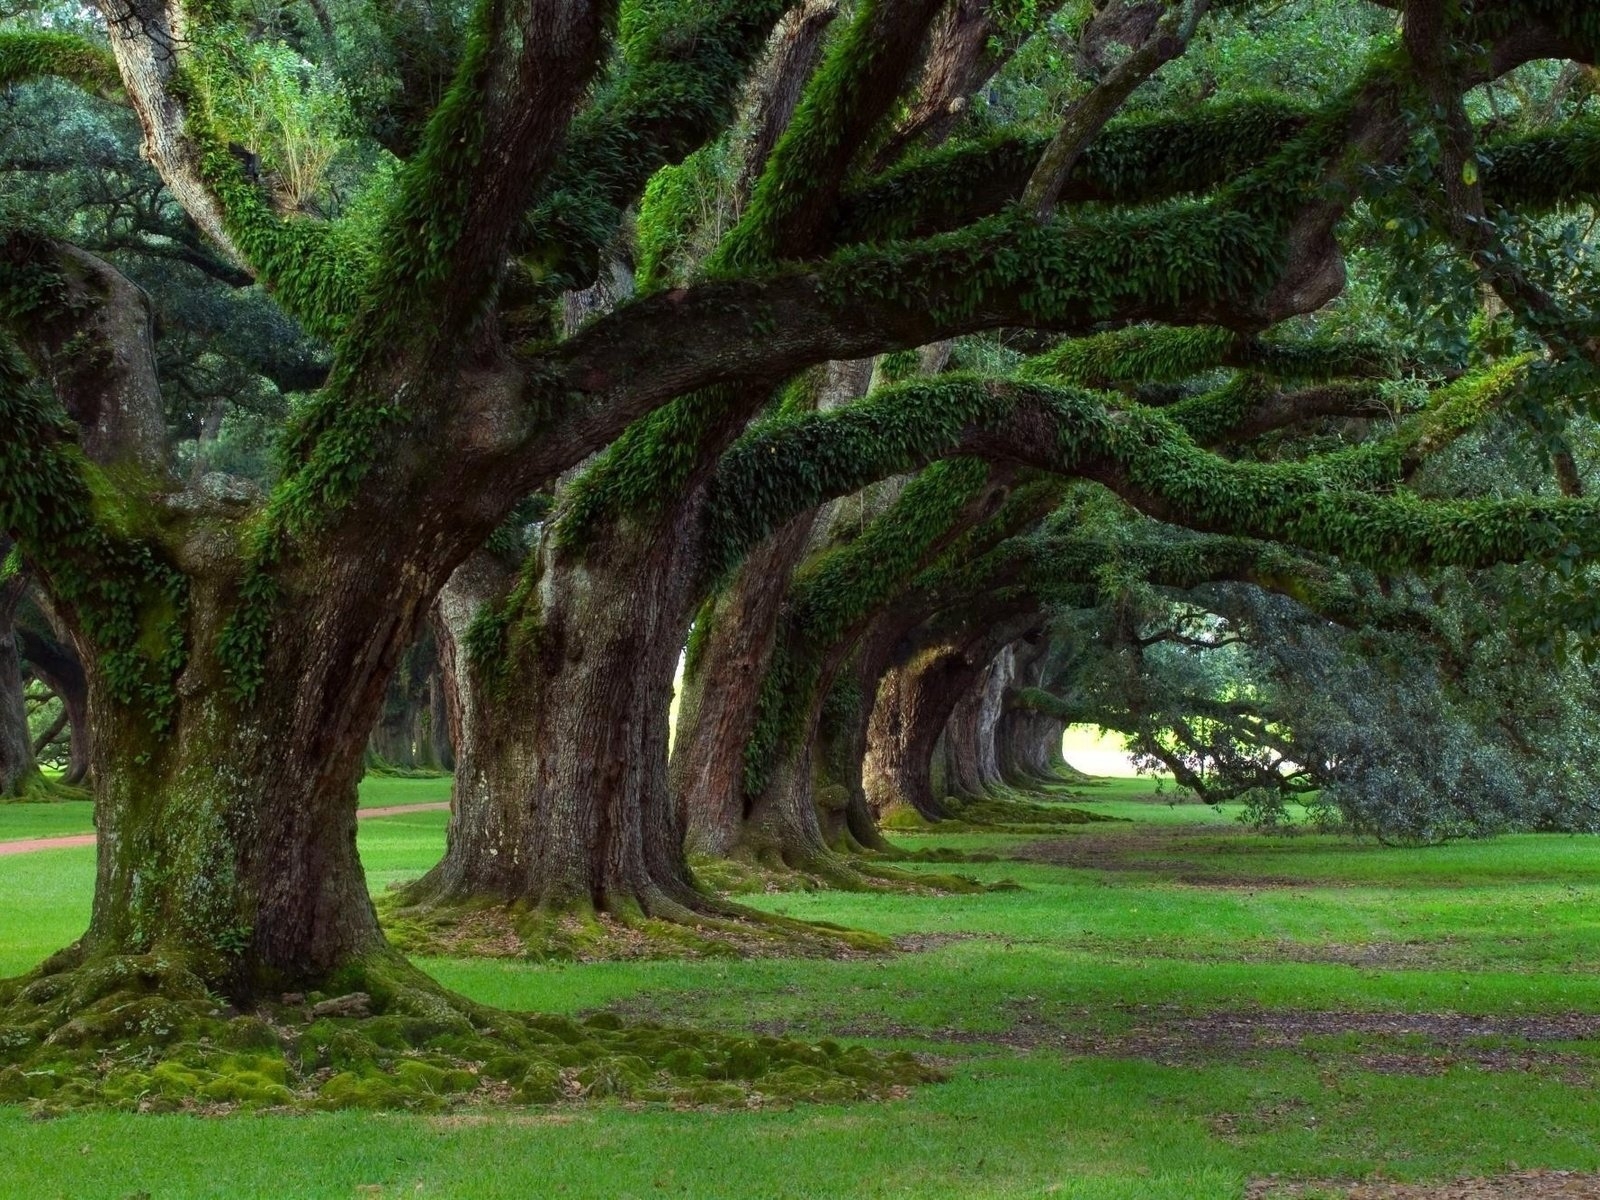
(1003, 809)
(39, 788)
(142, 1032)
(854, 872)
(705, 926)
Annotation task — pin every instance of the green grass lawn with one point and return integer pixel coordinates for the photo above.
(1166, 1008)
(77, 816)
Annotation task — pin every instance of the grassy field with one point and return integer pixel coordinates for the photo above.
(77, 816)
(1168, 1007)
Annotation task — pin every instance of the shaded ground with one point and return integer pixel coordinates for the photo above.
(1382, 1042)
(1171, 851)
(1519, 1185)
(1171, 1008)
(1564, 1046)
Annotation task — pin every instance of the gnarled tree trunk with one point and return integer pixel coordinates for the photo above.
(561, 798)
(723, 673)
(17, 766)
(969, 736)
(914, 703)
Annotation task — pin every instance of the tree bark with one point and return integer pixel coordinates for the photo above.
(230, 838)
(1028, 743)
(913, 708)
(841, 745)
(17, 766)
(722, 681)
(914, 703)
(561, 799)
(969, 736)
(724, 673)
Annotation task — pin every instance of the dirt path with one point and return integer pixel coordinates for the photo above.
(72, 841)
(1521, 1185)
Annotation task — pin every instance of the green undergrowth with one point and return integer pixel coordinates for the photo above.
(384, 770)
(492, 929)
(143, 1033)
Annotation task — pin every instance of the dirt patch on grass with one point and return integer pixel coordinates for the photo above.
(1157, 850)
(1518, 1185)
(1445, 953)
(1386, 1043)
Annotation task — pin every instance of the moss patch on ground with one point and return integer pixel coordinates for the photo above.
(143, 1033)
(491, 929)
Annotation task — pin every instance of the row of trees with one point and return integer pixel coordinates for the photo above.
(913, 371)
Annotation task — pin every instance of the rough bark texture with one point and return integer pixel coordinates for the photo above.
(1027, 742)
(914, 703)
(233, 839)
(721, 685)
(16, 746)
(969, 736)
(792, 56)
(723, 677)
(841, 744)
(783, 829)
(561, 797)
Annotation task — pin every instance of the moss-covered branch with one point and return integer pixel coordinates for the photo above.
(29, 54)
(852, 94)
(1143, 354)
(1323, 504)
(681, 73)
(100, 562)
(1135, 160)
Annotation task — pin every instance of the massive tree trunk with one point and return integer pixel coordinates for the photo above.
(1028, 741)
(914, 703)
(840, 746)
(723, 673)
(229, 838)
(561, 799)
(17, 767)
(969, 735)
(729, 655)
(1029, 748)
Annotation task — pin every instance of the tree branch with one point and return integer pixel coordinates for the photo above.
(1088, 115)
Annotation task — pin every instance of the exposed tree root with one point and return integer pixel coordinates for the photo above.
(42, 789)
(714, 928)
(144, 1033)
(1003, 810)
(860, 872)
